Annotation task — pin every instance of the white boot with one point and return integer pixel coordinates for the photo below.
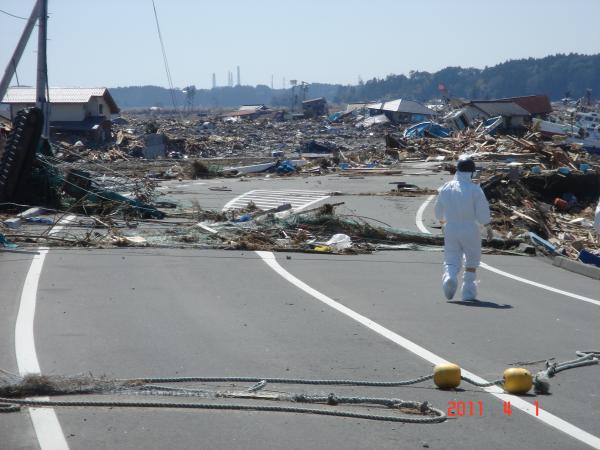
(469, 286)
(449, 284)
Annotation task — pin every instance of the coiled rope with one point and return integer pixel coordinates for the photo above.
(419, 412)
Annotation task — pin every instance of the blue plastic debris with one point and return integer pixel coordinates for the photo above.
(427, 129)
(537, 240)
(244, 218)
(6, 243)
(492, 124)
(285, 167)
(589, 258)
(536, 169)
(564, 170)
(43, 220)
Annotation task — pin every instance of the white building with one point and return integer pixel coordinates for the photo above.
(87, 110)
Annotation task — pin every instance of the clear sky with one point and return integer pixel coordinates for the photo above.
(114, 42)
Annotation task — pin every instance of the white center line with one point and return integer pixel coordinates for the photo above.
(420, 212)
(517, 402)
(45, 423)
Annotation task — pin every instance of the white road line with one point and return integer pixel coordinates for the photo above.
(265, 199)
(45, 423)
(234, 200)
(420, 212)
(517, 402)
(539, 285)
(421, 226)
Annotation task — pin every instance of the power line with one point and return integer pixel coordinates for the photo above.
(164, 53)
(13, 15)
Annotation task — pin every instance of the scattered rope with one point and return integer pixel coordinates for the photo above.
(436, 417)
(278, 381)
(35, 385)
(499, 382)
(541, 380)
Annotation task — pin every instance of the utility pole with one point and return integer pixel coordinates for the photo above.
(11, 67)
(42, 67)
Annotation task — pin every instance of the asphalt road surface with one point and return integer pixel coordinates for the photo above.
(152, 313)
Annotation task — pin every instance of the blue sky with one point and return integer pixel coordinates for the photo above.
(114, 43)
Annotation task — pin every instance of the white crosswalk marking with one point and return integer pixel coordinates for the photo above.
(264, 199)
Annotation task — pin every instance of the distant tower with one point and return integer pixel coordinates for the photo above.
(214, 80)
(238, 76)
(190, 94)
(283, 83)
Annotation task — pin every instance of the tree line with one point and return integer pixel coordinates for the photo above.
(556, 76)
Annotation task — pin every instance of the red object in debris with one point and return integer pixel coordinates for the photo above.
(561, 204)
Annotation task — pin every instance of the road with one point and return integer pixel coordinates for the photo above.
(152, 312)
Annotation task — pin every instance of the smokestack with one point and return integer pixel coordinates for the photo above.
(214, 80)
(238, 76)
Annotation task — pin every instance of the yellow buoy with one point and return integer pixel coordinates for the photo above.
(446, 376)
(517, 380)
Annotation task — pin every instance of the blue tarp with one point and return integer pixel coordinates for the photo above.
(286, 167)
(427, 129)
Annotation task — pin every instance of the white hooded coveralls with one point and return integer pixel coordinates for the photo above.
(462, 204)
(597, 218)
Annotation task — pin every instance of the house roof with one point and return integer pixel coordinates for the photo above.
(404, 106)
(245, 112)
(252, 107)
(60, 95)
(314, 100)
(500, 108)
(535, 104)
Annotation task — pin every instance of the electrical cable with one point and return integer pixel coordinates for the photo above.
(13, 15)
(165, 61)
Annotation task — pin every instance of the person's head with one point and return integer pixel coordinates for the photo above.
(465, 164)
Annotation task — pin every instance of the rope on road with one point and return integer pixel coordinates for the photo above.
(498, 382)
(541, 379)
(415, 412)
(278, 381)
(37, 385)
(436, 416)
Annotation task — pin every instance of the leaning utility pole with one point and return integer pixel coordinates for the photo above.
(11, 67)
(42, 67)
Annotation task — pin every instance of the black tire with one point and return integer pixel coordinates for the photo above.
(19, 152)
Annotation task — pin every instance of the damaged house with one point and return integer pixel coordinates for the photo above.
(249, 112)
(516, 112)
(402, 111)
(315, 107)
(81, 111)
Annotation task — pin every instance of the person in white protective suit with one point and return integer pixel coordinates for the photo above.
(461, 205)
(597, 218)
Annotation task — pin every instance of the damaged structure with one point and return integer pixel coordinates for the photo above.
(402, 111)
